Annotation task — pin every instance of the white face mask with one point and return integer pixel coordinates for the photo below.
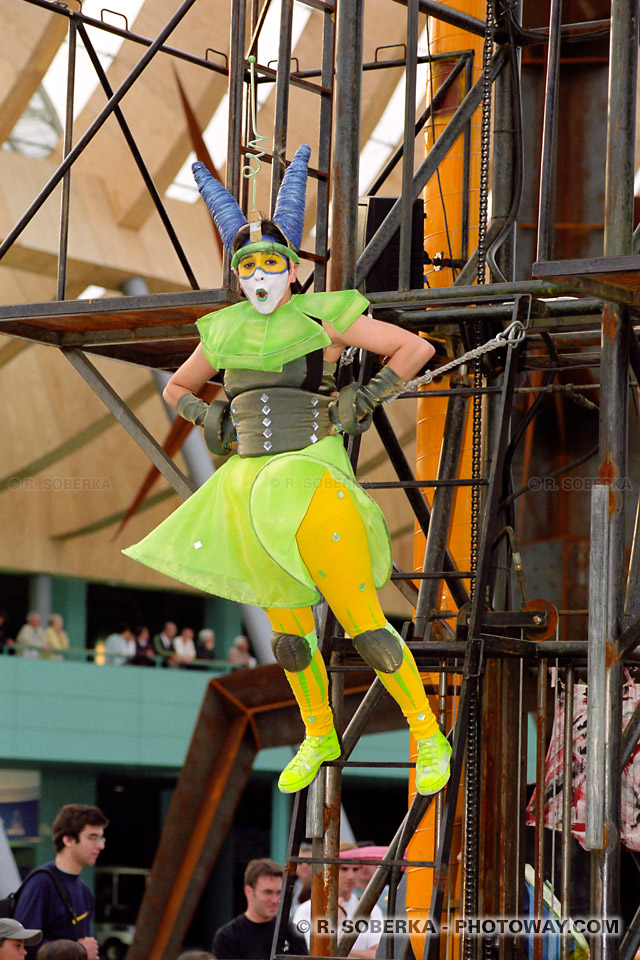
(264, 288)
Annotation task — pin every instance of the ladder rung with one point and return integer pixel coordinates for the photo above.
(412, 484)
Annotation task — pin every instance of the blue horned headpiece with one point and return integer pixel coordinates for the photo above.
(288, 215)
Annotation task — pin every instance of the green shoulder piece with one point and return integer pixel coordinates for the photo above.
(238, 337)
(339, 307)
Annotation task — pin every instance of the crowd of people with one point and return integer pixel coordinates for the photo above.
(53, 915)
(126, 644)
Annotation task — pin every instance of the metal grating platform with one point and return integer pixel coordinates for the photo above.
(157, 330)
(612, 278)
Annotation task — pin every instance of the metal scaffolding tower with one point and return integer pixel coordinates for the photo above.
(496, 658)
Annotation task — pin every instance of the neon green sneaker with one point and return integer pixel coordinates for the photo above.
(432, 764)
(313, 752)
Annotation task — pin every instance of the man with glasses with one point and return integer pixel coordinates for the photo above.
(54, 899)
(250, 935)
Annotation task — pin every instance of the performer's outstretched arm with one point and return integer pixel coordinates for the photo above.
(407, 352)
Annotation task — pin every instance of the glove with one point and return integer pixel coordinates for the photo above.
(214, 417)
(192, 408)
(352, 412)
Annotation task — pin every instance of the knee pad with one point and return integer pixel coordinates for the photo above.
(380, 649)
(293, 653)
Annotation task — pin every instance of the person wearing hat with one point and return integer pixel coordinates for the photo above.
(284, 520)
(14, 939)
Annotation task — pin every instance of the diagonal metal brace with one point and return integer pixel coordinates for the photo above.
(130, 422)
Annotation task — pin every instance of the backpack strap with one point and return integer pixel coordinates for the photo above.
(64, 896)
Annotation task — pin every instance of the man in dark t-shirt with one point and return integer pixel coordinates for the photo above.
(78, 838)
(250, 935)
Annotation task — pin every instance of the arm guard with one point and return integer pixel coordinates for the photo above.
(353, 409)
(214, 417)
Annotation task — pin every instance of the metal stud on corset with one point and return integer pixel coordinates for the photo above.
(264, 397)
(266, 409)
(314, 401)
(267, 446)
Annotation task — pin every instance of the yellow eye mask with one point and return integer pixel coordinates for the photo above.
(268, 261)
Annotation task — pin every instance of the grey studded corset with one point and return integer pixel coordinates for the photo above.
(278, 412)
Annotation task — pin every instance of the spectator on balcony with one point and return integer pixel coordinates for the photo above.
(164, 644)
(206, 644)
(120, 646)
(55, 637)
(5, 639)
(31, 636)
(185, 647)
(240, 653)
(144, 655)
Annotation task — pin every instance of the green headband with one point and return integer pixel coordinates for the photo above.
(267, 246)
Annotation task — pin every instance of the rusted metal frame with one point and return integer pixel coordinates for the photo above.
(80, 17)
(472, 665)
(547, 195)
(345, 161)
(489, 793)
(169, 331)
(465, 57)
(494, 492)
(541, 748)
(613, 467)
(297, 834)
(407, 484)
(474, 649)
(323, 191)
(448, 15)
(374, 888)
(89, 134)
(631, 940)
(141, 165)
(379, 64)
(567, 795)
(211, 782)
(130, 422)
(512, 772)
(414, 320)
(378, 243)
(623, 72)
(115, 305)
(406, 198)
(281, 113)
(66, 180)
(256, 29)
(470, 293)
(234, 128)
(297, 78)
(629, 639)
(506, 167)
(620, 168)
(333, 809)
(415, 497)
(466, 164)
(441, 511)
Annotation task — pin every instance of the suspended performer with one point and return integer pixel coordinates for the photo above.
(284, 520)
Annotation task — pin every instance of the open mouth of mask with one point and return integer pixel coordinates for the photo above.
(264, 278)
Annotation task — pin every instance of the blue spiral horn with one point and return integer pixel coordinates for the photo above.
(289, 211)
(225, 210)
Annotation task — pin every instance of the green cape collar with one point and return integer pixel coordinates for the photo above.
(238, 337)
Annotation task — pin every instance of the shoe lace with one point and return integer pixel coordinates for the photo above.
(430, 749)
(307, 750)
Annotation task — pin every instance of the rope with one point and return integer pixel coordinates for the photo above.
(248, 171)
